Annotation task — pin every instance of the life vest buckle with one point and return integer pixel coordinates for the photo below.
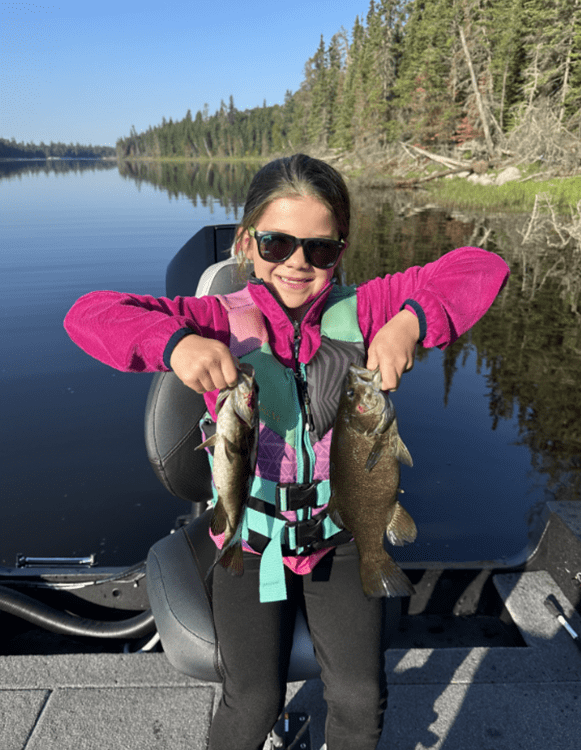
(295, 496)
(303, 534)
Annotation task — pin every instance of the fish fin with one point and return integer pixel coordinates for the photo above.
(232, 560)
(222, 396)
(375, 454)
(384, 578)
(231, 450)
(335, 516)
(402, 454)
(401, 528)
(219, 522)
(207, 443)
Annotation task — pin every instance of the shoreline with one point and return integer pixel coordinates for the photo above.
(468, 184)
(466, 189)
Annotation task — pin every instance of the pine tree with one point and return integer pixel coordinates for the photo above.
(573, 94)
(372, 105)
(424, 95)
(316, 80)
(549, 34)
(336, 55)
(379, 65)
(504, 25)
(345, 127)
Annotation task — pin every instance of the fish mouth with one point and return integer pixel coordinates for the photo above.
(251, 399)
(360, 377)
(374, 400)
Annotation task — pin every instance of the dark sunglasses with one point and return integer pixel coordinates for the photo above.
(276, 247)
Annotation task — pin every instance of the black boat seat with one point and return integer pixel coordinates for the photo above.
(177, 564)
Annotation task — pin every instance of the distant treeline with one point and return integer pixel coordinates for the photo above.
(13, 150)
(436, 72)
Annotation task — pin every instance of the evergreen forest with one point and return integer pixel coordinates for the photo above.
(13, 150)
(434, 73)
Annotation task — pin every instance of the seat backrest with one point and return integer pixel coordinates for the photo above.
(208, 246)
(173, 411)
(178, 564)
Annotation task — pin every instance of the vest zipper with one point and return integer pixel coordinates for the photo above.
(300, 381)
(304, 401)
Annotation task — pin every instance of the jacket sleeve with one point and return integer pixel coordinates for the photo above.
(448, 296)
(137, 333)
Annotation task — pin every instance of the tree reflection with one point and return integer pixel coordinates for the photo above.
(224, 182)
(10, 169)
(529, 342)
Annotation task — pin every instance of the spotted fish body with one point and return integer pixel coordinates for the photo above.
(366, 451)
(235, 444)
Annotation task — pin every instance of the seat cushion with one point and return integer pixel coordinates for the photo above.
(178, 593)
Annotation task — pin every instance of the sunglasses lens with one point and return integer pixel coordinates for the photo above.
(323, 254)
(276, 247)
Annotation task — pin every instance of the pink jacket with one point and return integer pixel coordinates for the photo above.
(137, 333)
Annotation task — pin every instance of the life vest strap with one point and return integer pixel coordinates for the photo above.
(298, 537)
(294, 496)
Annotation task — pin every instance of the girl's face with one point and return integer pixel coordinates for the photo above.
(295, 282)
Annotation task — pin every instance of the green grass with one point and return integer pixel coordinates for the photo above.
(564, 193)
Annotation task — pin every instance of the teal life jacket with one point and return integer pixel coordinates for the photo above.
(297, 409)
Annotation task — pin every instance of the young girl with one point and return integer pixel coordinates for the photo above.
(300, 331)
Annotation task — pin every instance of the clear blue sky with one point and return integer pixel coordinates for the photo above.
(87, 70)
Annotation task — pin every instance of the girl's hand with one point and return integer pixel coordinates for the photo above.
(393, 348)
(204, 364)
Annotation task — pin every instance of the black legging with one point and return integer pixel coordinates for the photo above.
(255, 642)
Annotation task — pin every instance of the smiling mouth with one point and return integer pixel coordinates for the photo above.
(289, 280)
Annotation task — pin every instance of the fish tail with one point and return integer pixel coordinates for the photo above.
(232, 559)
(384, 577)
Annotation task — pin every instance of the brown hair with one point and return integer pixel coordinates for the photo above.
(296, 176)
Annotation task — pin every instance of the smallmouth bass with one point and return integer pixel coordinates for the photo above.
(235, 444)
(366, 451)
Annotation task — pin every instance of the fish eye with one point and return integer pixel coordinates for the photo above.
(350, 393)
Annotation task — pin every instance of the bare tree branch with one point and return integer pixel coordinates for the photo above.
(479, 103)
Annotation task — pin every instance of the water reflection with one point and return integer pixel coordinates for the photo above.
(530, 340)
(226, 182)
(21, 167)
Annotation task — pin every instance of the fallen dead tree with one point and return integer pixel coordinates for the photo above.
(446, 160)
(419, 180)
(454, 167)
(539, 138)
(551, 248)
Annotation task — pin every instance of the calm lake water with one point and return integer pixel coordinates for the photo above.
(486, 421)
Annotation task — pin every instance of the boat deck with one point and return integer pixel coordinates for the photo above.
(485, 698)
